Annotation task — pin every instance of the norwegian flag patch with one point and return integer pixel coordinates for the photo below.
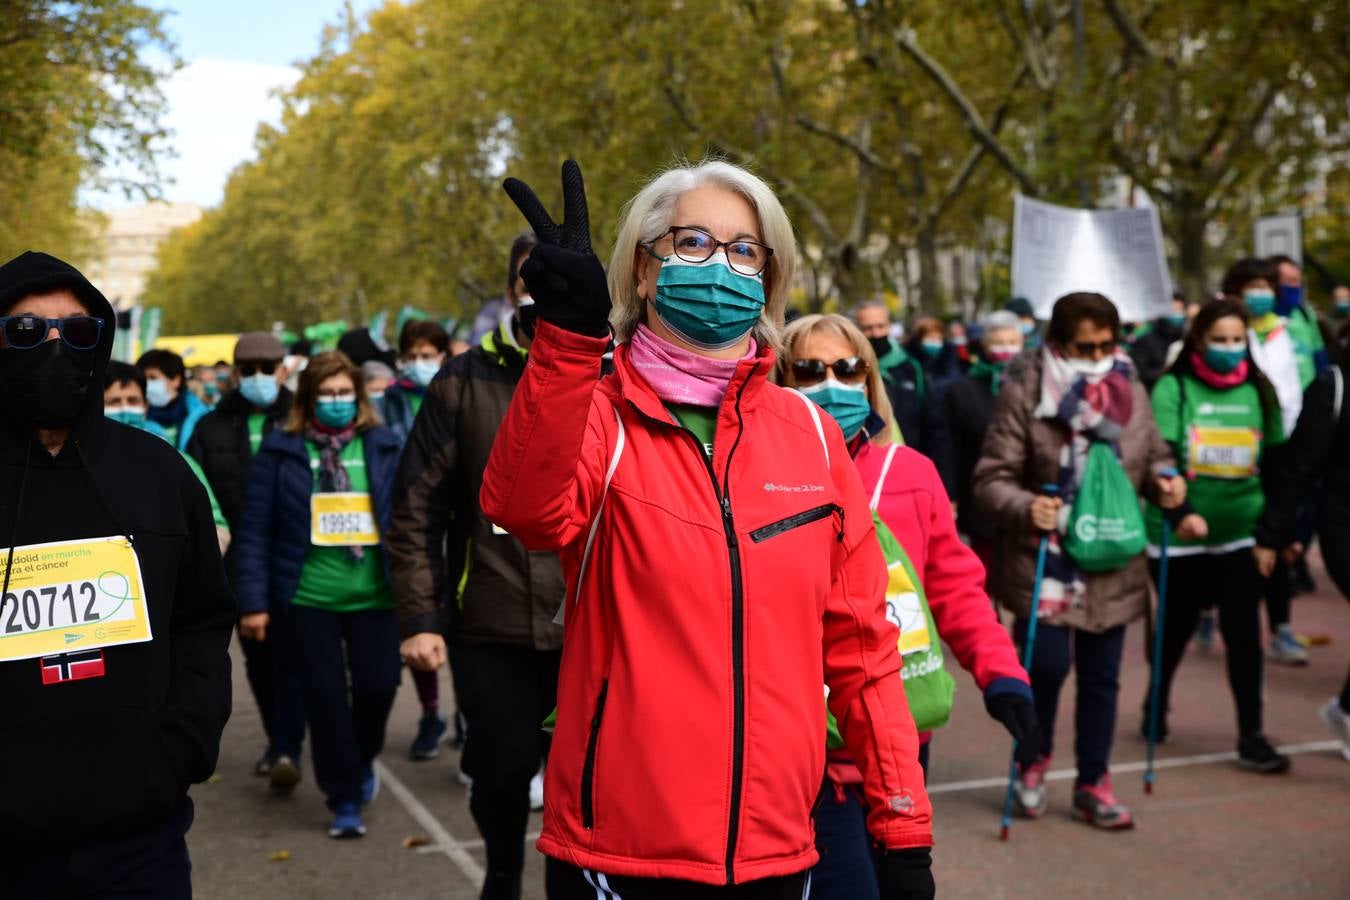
(72, 666)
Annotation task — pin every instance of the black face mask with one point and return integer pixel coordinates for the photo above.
(880, 345)
(48, 383)
(528, 317)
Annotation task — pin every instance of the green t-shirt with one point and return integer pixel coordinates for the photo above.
(255, 431)
(1220, 435)
(701, 420)
(1307, 338)
(415, 402)
(332, 579)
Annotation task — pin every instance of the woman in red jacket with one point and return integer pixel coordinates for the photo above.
(828, 359)
(719, 553)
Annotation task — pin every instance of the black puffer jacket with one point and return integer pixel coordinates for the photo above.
(220, 444)
(111, 755)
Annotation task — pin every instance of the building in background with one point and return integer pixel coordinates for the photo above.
(127, 246)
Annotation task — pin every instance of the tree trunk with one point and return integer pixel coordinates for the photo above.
(1189, 227)
(930, 283)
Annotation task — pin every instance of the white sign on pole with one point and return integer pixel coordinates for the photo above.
(1280, 235)
(1058, 250)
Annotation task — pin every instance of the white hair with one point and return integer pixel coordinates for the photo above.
(1000, 319)
(651, 212)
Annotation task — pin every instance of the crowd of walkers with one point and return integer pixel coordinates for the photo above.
(648, 520)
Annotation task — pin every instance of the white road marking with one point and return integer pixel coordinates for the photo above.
(444, 841)
(1174, 762)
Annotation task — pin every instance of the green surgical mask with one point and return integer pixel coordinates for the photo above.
(708, 304)
(846, 403)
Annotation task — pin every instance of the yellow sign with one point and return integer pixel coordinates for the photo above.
(342, 520)
(1219, 452)
(72, 595)
(201, 349)
(904, 609)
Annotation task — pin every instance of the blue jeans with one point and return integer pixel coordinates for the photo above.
(1096, 659)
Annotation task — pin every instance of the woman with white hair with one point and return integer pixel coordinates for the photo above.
(720, 558)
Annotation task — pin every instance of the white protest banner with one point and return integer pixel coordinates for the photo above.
(1280, 235)
(1058, 250)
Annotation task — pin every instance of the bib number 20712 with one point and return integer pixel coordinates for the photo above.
(51, 606)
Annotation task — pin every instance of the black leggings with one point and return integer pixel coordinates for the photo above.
(1230, 582)
(1335, 537)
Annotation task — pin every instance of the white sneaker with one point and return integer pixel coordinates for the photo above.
(537, 791)
(1338, 721)
(462, 778)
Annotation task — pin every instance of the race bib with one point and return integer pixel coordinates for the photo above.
(71, 596)
(906, 611)
(1219, 452)
(342, 520)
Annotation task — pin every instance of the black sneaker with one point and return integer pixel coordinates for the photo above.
(284, 776)
(1256, 755)
(429, 730)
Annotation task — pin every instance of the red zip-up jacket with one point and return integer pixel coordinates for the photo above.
(716, 598)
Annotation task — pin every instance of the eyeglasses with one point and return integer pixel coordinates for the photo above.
(849, 370)
(696, 245)
(249, 369)
(27, 332)
(1086, 348)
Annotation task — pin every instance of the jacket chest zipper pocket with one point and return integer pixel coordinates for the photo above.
(806, 517)
(588, 771)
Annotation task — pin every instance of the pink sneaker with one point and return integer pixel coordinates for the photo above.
(1029, 789)
(1097, 803)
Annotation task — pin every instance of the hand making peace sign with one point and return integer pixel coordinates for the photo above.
(562, 273)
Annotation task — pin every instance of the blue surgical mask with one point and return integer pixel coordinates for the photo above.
(157, 392)
(1027, 327)
(1291, 296)
(335, 412)
(421, 371)
(1342, 309)
(1176, 319)
(708, 304)
(846, 403)
(1224, 359)
(260, 390)
(931, 348)
(1259, 302)
(128, 415)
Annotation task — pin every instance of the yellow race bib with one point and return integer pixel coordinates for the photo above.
(1220, 452)
(904, 609)
(342, 520)
(69, 596)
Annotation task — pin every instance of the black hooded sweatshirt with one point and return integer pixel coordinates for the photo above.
(109, 756)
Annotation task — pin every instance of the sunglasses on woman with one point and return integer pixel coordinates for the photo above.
(849, 370)
(1086, 348)
(27, 332)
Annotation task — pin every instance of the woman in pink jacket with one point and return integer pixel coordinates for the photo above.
(829, 360)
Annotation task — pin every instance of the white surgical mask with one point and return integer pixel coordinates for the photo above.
(1089, 369)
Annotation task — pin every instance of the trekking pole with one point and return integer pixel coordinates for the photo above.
(1048, 490)
(1155, 681)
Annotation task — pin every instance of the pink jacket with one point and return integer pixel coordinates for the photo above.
(915, 506)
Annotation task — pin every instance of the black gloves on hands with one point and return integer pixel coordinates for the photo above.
(906, 874)
(1018, 715)
(562, 273)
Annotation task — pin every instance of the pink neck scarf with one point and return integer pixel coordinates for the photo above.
(678, 375)
(1218, 380)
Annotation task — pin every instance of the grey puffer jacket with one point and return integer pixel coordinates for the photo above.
(1022, 452)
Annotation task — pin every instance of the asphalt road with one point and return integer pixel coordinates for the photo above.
(1208, 831)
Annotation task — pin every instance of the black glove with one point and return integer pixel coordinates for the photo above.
(1018, 715)
(906, 874)
(562, 273)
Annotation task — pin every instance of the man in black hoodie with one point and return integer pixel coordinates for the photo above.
(114, 664)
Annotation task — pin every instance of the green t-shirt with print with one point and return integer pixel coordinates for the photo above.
(1220, 434)
(332, 579)
(701, 420)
